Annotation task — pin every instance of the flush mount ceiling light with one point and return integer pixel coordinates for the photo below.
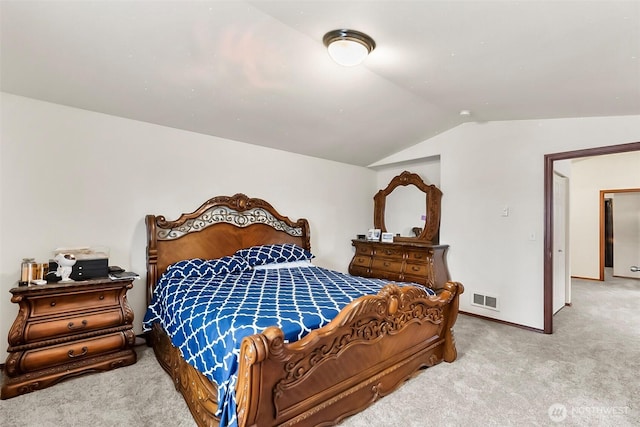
(348, 47)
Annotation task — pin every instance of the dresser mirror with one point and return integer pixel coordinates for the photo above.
(409, 207)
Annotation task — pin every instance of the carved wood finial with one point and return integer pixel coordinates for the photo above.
(405, 177)
(241, 201)
(393, 306)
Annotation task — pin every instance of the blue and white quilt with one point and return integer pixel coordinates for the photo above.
(208, 306)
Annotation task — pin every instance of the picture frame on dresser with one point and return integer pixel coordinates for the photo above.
(386, 237)
(373, 234)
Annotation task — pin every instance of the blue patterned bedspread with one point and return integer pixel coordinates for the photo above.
(207, 316)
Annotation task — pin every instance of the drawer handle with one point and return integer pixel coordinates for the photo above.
(85, 350)
(81, 326)
(53, 304)
(101, 297)
(415, 268)
(388, 252)
(386, 264)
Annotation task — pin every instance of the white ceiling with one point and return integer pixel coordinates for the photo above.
(257, 72)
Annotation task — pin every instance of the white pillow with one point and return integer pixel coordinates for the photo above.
(277, 265)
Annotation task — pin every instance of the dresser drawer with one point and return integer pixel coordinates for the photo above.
(364, 250)
(356, 270)
(361, 261)
(386, 265)
(70, 325)
(388, 251)
(385, 274)
(46, 357)
(419, 273)
(55, 304)
(417, 256)
(423, 280)
(416, 269)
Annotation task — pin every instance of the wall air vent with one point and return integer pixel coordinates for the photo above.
(485, 301)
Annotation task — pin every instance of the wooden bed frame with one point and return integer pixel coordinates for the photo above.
(372, 346)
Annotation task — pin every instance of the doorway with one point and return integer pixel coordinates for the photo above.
(620, 232)
(549, 159)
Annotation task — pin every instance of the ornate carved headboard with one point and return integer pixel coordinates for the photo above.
(219, 227)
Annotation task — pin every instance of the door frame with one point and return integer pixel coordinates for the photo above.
(548, 215)
(602, 218)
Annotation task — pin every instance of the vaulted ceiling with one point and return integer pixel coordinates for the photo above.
(257, 71)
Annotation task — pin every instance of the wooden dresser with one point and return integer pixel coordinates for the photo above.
(66, 329)
(416, 261)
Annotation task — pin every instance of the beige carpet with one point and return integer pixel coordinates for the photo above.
(586, 374)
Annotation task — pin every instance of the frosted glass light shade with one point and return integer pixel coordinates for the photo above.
(347, 52)
(348, 47)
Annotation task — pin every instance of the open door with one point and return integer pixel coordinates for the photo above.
(626, 234)
(561, 288)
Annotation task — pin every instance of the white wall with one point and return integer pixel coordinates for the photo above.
(588, 177)
(488, 166)
(71, 177)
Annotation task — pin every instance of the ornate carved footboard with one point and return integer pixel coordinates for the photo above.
(367, 351)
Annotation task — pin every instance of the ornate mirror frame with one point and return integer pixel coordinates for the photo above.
(433, 196)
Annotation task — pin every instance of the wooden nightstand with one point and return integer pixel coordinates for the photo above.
(67, 329)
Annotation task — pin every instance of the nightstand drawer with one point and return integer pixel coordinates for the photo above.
(55, 304)
(44, 330)
(46, 357)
